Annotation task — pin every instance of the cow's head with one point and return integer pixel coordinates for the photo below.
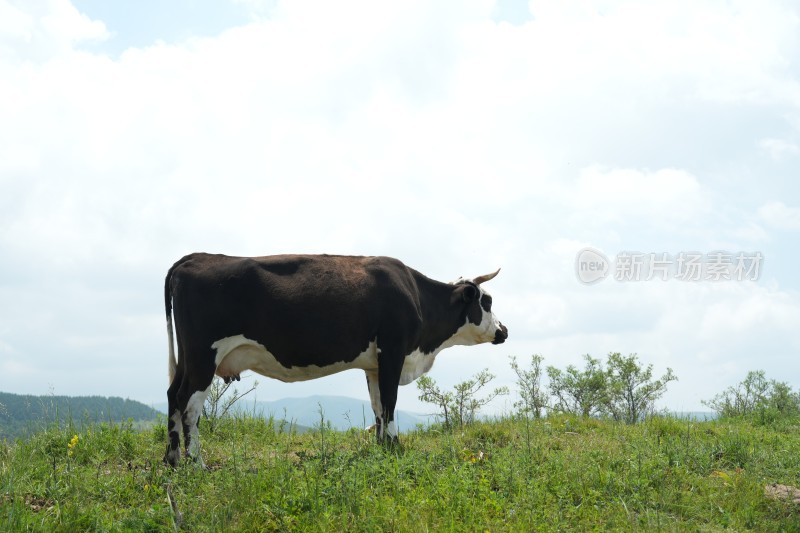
(481, 324)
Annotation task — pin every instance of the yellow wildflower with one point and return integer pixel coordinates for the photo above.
(72, 443)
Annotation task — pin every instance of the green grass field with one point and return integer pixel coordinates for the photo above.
(558, 474)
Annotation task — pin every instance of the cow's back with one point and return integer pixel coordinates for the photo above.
(305, 309)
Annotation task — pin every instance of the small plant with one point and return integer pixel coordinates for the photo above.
(217, 405)
(533, 399)
(458, 407)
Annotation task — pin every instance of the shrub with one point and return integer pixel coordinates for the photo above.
(217, 404)
(458, 407)
(756, 397)
(579, 392)
(624, 391)
(631, 393)
(533, 399)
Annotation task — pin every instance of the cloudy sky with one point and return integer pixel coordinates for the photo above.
(457, 136)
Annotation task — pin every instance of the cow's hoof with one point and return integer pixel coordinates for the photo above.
(172, 458)
(390, 443)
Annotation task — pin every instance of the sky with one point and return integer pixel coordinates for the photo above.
(458, 137)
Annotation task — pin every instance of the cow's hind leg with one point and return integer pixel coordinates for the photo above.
(173, 454)
(191, 397)
(375, 399)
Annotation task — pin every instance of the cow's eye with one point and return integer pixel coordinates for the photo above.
(486, 302)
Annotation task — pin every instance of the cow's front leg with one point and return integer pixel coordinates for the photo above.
(375, 400)
(390, 366)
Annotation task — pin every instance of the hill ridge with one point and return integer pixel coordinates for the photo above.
(23, 414)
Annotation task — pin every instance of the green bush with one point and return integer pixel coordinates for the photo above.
(757, 398)
(459, 406)
(624, 390)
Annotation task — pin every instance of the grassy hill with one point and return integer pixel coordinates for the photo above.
(23, 415)
(558, 474)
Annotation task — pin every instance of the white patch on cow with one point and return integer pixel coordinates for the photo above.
(194, 407)
(374, 392)
(192, 414)
(176, 418)
(470, 334)
(486, 330)
(391, 429)
(416, 364)
(238, 353)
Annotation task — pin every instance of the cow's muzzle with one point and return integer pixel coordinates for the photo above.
(500, 335)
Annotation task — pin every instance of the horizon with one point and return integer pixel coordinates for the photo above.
(161, 407)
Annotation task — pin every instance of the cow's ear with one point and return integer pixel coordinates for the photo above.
(465, 293)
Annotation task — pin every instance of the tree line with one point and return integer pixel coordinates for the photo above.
(22, 414)
(622, 388)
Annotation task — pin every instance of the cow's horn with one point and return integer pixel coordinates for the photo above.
(485, 277)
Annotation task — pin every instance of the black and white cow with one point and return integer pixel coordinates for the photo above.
(299, 317)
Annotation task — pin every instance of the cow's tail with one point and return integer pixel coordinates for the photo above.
(172, 362)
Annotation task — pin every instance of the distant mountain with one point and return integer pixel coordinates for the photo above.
(21, 415)
(342, 412)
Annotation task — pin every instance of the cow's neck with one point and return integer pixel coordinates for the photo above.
(441, 318)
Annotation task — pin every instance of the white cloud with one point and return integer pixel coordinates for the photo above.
(38, 31)
(259, 7)
(64, 22)
(617, 194)
(732, 321)
(779, 148)
(780, 216)
(15, 24)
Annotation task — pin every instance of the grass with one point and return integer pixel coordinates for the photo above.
(561, 473)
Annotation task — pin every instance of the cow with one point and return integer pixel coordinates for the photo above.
(301, 317)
